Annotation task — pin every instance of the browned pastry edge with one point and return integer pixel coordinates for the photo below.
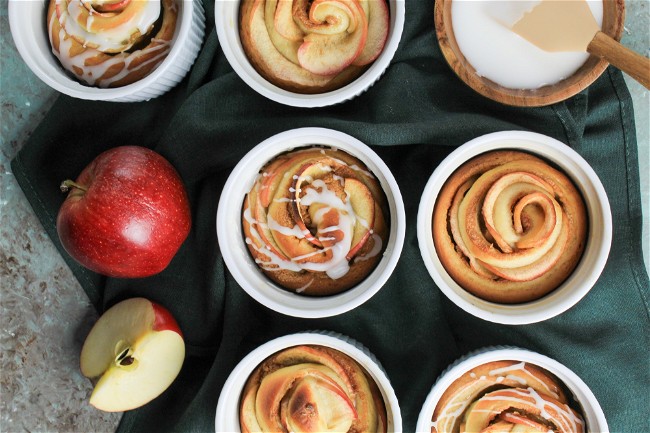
(311, 283)
(549, 385)
(256, 58)
(165, 33)
(366, 392)
(503, 291)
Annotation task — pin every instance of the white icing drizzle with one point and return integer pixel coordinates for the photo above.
(274, 261)
(376, 249)
(355, 167)
(540, 403)
(115, 39)
(466, 395)
(303, 288)
(521, 367)
(287, 231)
(92, 74)
(317, 193)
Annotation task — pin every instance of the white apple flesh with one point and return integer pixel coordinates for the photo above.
(136, 349)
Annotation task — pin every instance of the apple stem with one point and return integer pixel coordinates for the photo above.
(67, 184)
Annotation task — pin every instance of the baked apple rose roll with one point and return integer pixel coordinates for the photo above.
(313, 46)
(316, 221)
(508, 227)
(311, 389)
(506, 396)
(111, 43)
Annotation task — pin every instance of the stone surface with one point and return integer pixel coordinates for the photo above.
(637, 37)
(44, 313)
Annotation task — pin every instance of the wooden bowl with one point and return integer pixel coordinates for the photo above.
(613, 20)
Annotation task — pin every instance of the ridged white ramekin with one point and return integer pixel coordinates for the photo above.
(599, 236)
(227, 415)
(226, 14)
(29, 31)
(590, 408)
(235, 252)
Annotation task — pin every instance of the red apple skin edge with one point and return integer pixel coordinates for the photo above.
(133, 353)
(164, 320)
(126, 215)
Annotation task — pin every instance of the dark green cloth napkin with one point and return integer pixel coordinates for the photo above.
(414, 116)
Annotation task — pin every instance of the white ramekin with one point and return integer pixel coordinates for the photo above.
(599, 236)
(241, 264)
(590, 408)
(226, 14)
(227, 415)
(29, 31)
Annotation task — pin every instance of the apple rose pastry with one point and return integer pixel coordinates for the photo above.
(508, 227)
(506, 396)
(111, 43)
(311, 389)
(315, 221)
(313, 46)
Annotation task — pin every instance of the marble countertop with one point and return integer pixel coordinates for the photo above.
(44, 311)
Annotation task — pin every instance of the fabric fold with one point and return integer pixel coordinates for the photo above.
(414, 116)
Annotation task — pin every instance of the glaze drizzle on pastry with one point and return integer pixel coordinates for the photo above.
(315, 221)
(506, 396)
(111, 43)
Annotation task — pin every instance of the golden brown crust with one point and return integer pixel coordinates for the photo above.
(496, 288)
(93, 67)
(278, 378)
(316, 221)
(507, 393)
(273, 65)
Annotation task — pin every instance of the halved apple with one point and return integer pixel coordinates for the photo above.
(136, 349)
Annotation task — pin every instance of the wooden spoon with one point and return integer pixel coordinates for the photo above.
(569, 25)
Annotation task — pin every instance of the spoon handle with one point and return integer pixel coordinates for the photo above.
(628, 61)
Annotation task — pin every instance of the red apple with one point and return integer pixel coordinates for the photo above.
(136, 350)
(126, 215)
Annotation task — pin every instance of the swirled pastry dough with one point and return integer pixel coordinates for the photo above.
(316, 221)
(311, 389)
(111, 43)
(314, 46)
(506, 396)
(508, 227)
